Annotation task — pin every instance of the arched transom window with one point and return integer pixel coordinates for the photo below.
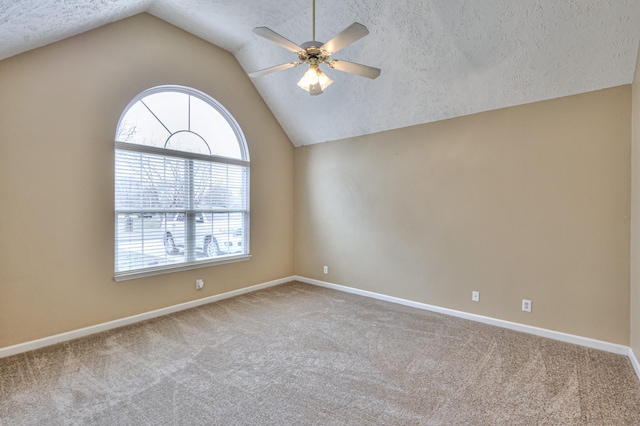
(181, 184)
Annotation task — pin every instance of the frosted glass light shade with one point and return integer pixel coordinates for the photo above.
(314, 80)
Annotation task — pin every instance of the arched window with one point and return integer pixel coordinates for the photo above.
(181, 184)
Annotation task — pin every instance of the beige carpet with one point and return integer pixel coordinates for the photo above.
(303, 355)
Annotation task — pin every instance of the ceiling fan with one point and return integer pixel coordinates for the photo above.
(315, 53)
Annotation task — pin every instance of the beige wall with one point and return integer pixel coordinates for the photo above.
(525, 202)
(59, 107)
(635, 213)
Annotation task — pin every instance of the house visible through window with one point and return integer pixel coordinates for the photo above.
(181, 184)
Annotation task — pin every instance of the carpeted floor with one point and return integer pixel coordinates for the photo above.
(303, 355)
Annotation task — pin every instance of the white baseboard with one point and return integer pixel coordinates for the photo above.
(555, 335)
(70, 335)
(634, 362)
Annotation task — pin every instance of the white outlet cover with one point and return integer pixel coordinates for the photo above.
(475, 296)
(325, 269)
(199, 284)
(526, 305)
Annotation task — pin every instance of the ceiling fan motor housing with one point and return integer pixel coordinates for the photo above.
(313, 53)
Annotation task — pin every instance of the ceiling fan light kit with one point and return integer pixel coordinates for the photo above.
(314, 80)
(314, 53)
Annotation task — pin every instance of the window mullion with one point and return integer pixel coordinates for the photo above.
(191, 214)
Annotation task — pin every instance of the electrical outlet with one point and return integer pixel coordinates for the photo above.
(325, 269)
(526, 305)
(475, 296)
(199, 284)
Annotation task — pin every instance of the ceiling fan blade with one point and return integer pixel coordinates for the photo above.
(347, 36)
(353, 68)
(277, 39)
(269, 70)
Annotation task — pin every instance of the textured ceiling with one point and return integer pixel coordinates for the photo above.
(439, 58)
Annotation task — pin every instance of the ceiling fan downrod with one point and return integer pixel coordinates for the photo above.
(313, 20)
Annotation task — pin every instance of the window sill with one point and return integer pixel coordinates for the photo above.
(141, 273)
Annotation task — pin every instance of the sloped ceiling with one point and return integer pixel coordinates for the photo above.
(439, 58)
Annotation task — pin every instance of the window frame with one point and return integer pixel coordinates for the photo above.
(190, 211)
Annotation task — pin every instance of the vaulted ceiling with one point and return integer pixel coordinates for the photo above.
(439, 58)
